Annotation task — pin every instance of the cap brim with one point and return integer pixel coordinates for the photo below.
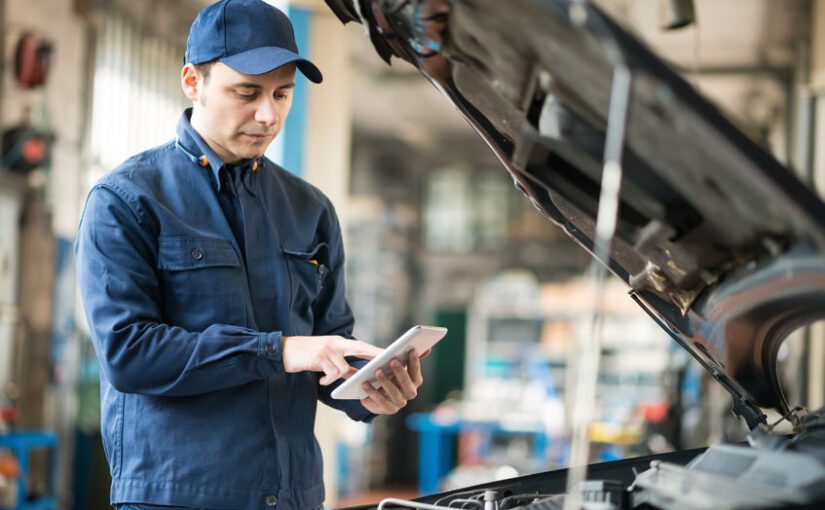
(266, 59)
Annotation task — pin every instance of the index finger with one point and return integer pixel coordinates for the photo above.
(359, 349)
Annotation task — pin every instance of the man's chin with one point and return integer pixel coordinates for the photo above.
(250, 153)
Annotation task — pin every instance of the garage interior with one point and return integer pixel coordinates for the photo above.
(434, 231)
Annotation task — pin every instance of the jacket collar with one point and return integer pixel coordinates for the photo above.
(191, 143)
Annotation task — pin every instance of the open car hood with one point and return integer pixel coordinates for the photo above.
(720, 243)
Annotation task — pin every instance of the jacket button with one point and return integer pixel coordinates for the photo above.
(197, 254)
(270, 348)
(271, 501)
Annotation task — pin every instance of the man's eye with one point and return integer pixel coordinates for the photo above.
(281, 95)
(247, 96)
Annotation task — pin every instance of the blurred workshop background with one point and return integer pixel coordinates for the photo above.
(434, 230)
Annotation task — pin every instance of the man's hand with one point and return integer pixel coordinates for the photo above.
(396, 389)
(324, 354)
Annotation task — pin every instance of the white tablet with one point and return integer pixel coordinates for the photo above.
(419, 338)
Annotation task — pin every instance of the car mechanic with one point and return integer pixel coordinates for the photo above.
(213, 284)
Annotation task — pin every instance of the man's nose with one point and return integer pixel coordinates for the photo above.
(267, 113)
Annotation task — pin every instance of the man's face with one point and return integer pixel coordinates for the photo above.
(237, 114)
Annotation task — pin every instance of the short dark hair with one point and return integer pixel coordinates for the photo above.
(204, 69)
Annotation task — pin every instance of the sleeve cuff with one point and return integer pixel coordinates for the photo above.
(270, 347)
(360, 413)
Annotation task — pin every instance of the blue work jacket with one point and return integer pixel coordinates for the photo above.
(190, 274)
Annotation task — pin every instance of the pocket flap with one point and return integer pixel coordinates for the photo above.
(185, 253)
(319, 253)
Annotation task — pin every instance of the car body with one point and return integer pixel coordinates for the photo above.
(717, 241)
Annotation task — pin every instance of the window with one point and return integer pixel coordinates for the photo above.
(137, 96)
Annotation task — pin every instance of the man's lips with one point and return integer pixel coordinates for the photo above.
(257, 138)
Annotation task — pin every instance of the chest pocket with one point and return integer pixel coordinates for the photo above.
(202, 282)
(308, 272)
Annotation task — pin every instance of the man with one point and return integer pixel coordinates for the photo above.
(213, 283)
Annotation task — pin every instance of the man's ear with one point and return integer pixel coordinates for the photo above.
(190, 82)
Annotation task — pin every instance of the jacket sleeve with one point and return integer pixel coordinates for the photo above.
(334, 317)
(116, 256)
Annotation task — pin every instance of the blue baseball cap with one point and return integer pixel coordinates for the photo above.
(250, 36)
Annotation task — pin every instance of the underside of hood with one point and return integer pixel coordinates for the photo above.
(720, 243)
